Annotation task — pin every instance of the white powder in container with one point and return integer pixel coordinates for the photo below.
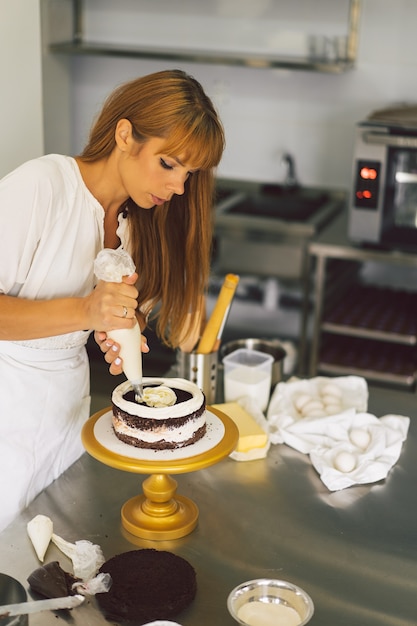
(268, 614)
(247, 381)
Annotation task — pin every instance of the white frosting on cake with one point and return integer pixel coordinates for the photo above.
(177, 410)
(159, 396)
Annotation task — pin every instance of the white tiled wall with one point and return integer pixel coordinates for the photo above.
(21, 120)
(266, 112)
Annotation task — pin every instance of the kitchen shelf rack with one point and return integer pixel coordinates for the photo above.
(360, 328)
(380, 314)
(265, 60)
(378, 362)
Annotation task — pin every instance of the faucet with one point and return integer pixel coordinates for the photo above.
(290, 180)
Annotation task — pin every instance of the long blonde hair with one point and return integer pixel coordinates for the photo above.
(171, 244)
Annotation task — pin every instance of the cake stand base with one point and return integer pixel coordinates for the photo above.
(158, 513)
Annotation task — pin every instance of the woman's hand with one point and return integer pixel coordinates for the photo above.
(109, 347)
(113, 305)
(111, 351)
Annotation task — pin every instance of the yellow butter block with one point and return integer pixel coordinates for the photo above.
(251, 435)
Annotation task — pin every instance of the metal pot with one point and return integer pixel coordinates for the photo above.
(12, 592)
(274, 347)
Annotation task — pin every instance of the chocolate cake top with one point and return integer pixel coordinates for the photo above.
(186, 406)
(147, 585)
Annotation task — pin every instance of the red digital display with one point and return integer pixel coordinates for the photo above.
(368, 173)
(367, 184)
(364, 194)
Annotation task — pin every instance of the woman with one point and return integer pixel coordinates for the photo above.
(144, 181)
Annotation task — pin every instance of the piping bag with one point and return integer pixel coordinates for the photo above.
(111, 265)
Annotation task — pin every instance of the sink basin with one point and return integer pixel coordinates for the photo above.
(277, 201)
(223, 194)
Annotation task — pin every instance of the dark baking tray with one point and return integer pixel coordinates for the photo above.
(376, 312)
(375, 360)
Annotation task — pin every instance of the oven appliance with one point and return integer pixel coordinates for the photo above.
(383, 199)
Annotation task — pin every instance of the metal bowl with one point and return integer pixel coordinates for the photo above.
(163, 622)
(269, 346)
(12, 592)
(271, 591)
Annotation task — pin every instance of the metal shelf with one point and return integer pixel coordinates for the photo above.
(203, 56)
(78, 45)
(380, 362)
(354, 331)
(405, 381)
(369, 312)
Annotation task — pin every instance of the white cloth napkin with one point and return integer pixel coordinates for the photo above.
(286, 425)
(325, 437)
(387, 434)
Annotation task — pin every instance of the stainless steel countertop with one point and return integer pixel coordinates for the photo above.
(353, 551)
(333, 242)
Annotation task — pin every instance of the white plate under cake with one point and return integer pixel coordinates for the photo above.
(105, 436)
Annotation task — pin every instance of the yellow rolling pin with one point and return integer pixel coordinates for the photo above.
(215, 324)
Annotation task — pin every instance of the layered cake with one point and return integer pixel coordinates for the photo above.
(172, 414)
(147, 585)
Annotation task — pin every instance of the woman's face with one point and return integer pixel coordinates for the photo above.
(149, 176)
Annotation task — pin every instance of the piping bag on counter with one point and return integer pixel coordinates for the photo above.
(111, 265)
(211, 337)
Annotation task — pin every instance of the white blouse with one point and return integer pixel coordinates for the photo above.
(51, 229)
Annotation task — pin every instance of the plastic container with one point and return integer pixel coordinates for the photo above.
(248, 373)
(274, 347)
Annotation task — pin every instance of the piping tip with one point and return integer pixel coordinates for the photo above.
(138, 389)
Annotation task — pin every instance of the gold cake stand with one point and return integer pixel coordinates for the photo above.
(159, 512)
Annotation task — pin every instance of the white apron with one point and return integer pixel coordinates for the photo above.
(42, 415)
(51, 229)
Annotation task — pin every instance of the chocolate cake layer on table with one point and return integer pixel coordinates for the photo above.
(147, 585)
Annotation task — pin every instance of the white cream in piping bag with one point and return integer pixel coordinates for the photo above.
(40, 530)
(112, 265)
(130, 341)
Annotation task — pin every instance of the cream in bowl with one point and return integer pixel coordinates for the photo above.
(269, 602)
